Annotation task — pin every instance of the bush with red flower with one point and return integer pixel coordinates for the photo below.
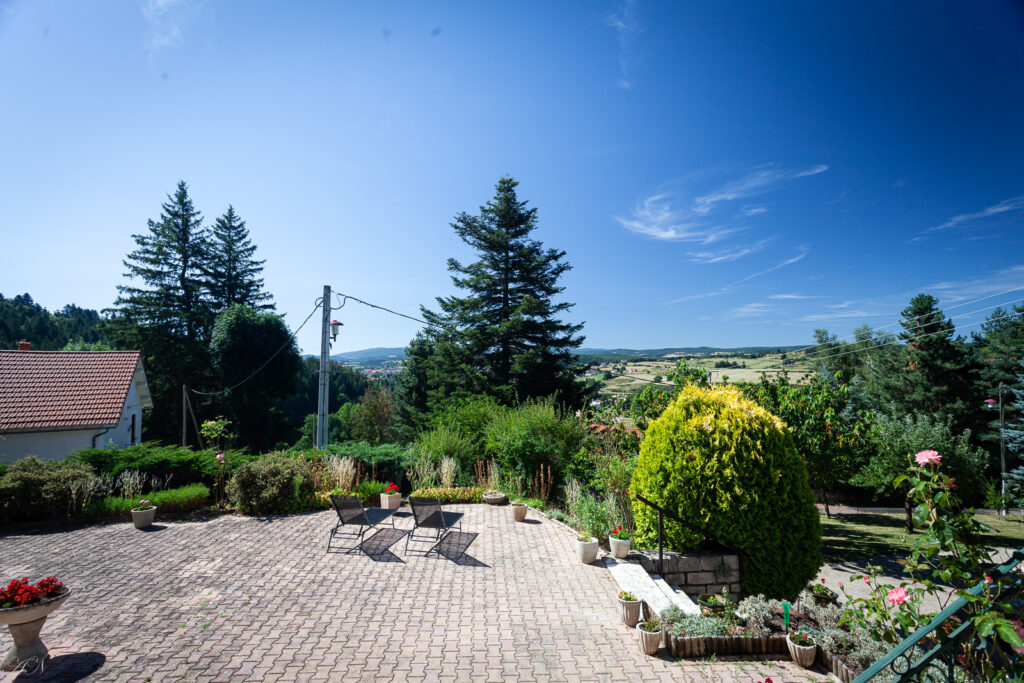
(391, 489)
(20, 592)
(619, 533)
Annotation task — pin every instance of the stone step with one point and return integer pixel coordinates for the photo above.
(650, 588)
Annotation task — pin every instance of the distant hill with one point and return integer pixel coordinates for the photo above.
(370, 357)
(378, 356)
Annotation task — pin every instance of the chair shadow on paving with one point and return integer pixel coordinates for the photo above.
(377, 547)
(153, 528)
(531, 521)
(454, 545)
(72, 667)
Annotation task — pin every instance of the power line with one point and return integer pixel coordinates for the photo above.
(291, 338)
(917, 327)
(346, 297)
(948, 308)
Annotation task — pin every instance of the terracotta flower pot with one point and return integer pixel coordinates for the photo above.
(629, 610)
(619, 546)
(391, 501)
(803, 655)
(25, 623)
(587, 550)
(519, 512)
(649, 642)
(143, 517)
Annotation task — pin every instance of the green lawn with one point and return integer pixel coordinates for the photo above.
(855, 537)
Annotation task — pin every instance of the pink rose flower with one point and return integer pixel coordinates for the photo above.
(220, 456)
(928, 458)
(897, 596)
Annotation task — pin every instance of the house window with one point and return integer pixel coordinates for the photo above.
(132, 441)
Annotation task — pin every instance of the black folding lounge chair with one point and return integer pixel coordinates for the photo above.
(428, 516)
(351, 513)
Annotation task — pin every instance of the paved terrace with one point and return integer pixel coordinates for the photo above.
(245, 599)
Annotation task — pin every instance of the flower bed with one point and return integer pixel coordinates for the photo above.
(456, 494)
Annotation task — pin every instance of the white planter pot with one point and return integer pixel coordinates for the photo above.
(587, 550)
(25, 623)
(803, 655)
(144, 517)
(630, 611)
(391, 501)
(519, 512)
(620, 548)
(649, 642)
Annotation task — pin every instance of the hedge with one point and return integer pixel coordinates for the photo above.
(459, 494)
(184, 465)
(721, 462)
(182, 499)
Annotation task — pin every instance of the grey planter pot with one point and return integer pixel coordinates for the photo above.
(25, 623)
(649, 642)
(587, 550)
(519, 512)
(803, 655)
(620, 548)
(143, 518)
(629, 610)
(390, 501)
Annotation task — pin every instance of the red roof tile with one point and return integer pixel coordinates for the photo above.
(64, 389)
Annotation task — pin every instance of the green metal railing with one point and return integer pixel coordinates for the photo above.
(925, 656)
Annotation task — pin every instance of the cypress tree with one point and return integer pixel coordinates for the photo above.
(234, 275)
(505, 333)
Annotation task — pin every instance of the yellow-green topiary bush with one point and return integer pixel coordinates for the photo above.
(727, 465)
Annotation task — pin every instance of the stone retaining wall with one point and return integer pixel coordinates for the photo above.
(697, 573)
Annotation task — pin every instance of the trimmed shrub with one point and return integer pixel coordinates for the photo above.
(183, 499)
(449, 442)
(387, 461)
(32, 490)
(723, 463)
(275, 483)
(458, 494)
(184, 465)
(369, 491)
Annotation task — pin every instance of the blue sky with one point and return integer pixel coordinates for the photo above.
(718, 173)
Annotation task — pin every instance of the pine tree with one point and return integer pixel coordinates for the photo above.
(934, 373)
(168, 271)
(234, 274)
(506, 333)
(1014, 433)
(164, 311)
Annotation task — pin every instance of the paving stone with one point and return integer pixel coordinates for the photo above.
(247, 599)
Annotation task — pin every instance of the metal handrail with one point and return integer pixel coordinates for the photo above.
(900, 656)
(662, 512)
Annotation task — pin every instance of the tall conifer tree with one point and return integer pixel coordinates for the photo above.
(234, 275)
(505, 335)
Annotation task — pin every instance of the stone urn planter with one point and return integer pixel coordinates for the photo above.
(25, 623)
(649, 634)
(802, 649)
(629, 608)
(619, 546)
(586, 550)
(494, 498)
(519, 511)
(143, 516)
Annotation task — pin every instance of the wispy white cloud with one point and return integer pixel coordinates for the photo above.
(803, 249)
(751, 310)
(728, 254)
(166, 21)
(1005, 206)
(627, 27)
(676, 212)
(1009, 279)
(792, 296)
(757, 182)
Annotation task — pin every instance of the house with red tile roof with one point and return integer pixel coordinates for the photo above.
(55, 402)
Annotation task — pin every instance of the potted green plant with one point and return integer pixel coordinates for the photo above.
(519, 510)
(391, 497)
(649, 634)
(143, 514)
(24, 608)
(822, 594)
(618, 541)
(802, 648)
(629, 608)
(586, 548)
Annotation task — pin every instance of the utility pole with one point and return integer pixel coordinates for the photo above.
(1002, 450)
(184, 417)
(325, 369)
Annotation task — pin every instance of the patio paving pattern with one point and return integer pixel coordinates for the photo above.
(240, 598)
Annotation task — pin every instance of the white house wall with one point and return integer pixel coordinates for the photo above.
(46, 445)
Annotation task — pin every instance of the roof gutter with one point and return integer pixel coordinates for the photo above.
(98, 435)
